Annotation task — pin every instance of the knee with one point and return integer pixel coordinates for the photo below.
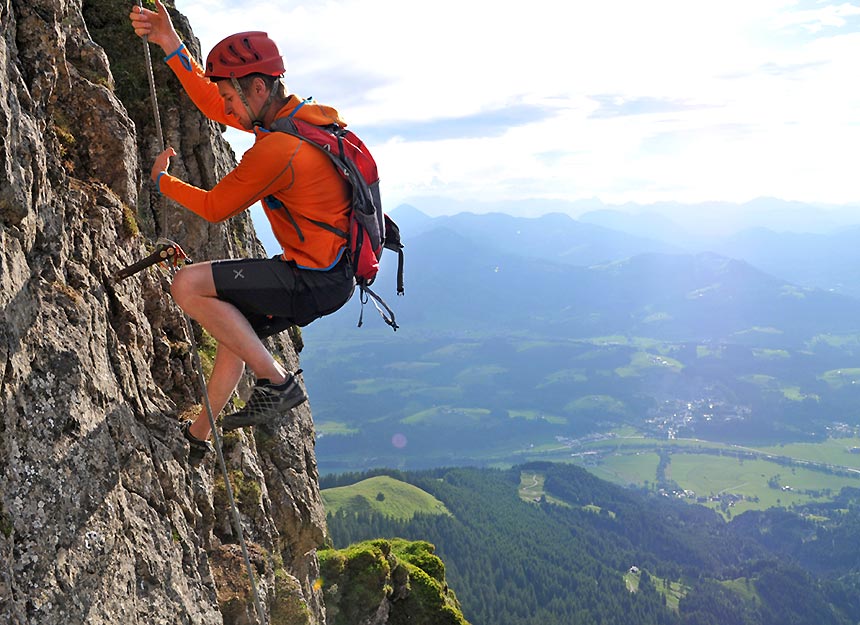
(192, 283)
(182, 287)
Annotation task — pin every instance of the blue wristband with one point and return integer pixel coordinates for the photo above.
(174, 53)
(186, 62)
(158, 181)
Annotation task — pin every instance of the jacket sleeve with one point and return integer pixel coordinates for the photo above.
(262, 171)
(203, 92)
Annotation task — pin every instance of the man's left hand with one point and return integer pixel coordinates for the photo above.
(162, 162)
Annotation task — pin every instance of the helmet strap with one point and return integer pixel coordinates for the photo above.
(265, 107)
(256, 119)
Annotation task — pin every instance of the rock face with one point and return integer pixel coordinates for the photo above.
(101, 519)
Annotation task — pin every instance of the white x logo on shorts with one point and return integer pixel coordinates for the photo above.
(237, 273)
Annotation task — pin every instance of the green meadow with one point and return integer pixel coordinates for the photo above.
(836, 451)
(627, 468)
(384, 495)
(672, 591)
(532, 488)
(783, 475)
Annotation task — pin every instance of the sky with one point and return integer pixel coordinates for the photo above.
(621, 101)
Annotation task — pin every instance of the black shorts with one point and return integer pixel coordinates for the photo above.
(274, 294)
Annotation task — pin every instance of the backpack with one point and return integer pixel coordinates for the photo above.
(370, 229)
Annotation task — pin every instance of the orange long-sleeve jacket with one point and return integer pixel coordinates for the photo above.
(295, 172)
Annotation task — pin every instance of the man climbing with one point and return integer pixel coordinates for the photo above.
(241, 302)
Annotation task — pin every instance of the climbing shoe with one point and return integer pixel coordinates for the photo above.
(198, 449)
(268, 402)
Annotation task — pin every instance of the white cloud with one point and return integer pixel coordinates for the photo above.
(642, 101)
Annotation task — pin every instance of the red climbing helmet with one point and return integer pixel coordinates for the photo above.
(243, 54)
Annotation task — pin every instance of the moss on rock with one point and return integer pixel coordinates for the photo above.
(287, 606)
(400, 578)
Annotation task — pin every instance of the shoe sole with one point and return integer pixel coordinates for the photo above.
(234, 422)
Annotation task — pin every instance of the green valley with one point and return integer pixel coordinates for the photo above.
(656, 437)
(551, 544)
(496, 401)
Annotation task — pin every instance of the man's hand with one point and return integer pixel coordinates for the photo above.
(157, 26)
(162, 162)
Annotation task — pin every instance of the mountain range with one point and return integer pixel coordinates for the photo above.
(562, 277)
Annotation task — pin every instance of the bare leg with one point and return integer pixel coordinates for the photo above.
(225, 376)
(193, 289)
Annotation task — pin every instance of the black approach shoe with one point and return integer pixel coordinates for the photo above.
(199, 449)
(268, 402)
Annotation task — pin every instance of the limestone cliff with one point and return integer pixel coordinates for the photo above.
(101, 520)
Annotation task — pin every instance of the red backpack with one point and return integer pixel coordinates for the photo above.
(370, 229)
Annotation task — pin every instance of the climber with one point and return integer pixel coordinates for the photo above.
(242, 301)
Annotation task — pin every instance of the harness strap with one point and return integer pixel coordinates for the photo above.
(274, 204)
(330, 228)
(301, 104)
(399, 251)
(387, 314)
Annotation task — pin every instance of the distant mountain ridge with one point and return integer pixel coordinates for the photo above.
(555, 276)
(719, 219)
(553, 236)
(695, 219)
(808, 246)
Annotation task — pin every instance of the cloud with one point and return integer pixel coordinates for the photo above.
(491, 123)
(818, 19)
(621, 100)
(617, 106)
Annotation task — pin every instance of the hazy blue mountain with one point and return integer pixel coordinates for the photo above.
(829, 261)
(825, 255)
(534, 207)
(704, 218)
(410, 219)
(456, 282)
(674, 222)
(645, 224)
(556, 237)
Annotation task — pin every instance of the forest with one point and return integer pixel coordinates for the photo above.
(516, 562)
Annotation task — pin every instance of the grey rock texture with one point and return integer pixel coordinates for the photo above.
(101, 519)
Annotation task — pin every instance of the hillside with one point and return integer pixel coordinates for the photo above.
(605, 554)
(382, 495)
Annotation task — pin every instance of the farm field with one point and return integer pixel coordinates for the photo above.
(728, 478)
(634, 468)
(761, 483)
(835, 451)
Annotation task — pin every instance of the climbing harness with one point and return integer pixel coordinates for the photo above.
(169, 251)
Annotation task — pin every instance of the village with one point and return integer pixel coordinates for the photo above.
(676, 415)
